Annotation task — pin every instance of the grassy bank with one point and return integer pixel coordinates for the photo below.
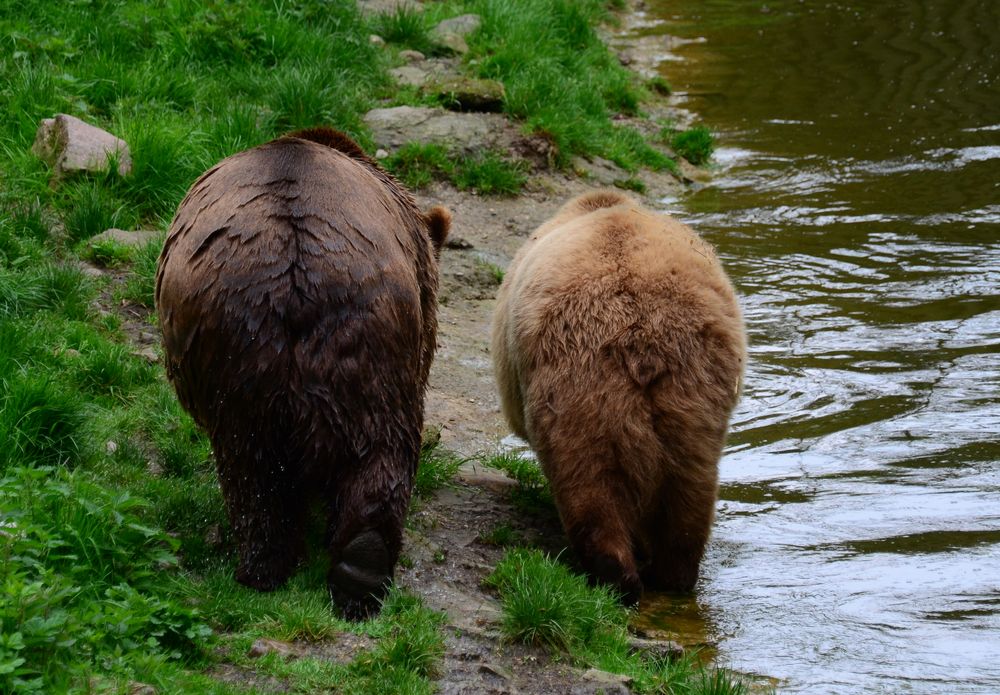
(115, 555)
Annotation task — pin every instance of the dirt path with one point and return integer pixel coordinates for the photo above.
(447, 557)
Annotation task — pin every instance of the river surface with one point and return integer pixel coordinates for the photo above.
(856, 205)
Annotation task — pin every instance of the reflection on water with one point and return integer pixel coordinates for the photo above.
(857, 207)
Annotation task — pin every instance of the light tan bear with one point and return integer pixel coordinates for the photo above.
(619, 349)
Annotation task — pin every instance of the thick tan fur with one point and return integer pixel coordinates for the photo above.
(619, 349)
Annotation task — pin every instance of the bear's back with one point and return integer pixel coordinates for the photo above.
(612, 269)
(294, 259)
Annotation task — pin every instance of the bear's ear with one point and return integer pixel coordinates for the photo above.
(331, 138)
(602, 198)
(438, 224)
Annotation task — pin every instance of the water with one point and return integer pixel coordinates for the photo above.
(857, 208)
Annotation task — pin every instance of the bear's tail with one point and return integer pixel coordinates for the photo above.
(438, 225)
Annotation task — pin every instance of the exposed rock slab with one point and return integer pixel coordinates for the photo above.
(451, 34)
(388, 6)
(468, 93)
(70, 145)
(467, 132)
(139, 237)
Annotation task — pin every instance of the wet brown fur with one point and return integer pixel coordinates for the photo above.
(297, 297)
(618, 348)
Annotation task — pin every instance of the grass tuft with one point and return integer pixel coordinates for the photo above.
(695, 144)
(405, 27)
(436, 469)
(532, 491)
(490, 174)
(546, 605)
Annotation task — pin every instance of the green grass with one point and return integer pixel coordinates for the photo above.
(632, 183)
(82, 576)
(545, 604)
(503, 535)
(494, 272)
(532, 491)
(695, 144)
(436, 468)
(108, 253)
(405, 27)
(560, 79)
(405, 657)
(117, 556)
(488, 173)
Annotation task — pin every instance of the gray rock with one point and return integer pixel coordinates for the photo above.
(603, 171)
(457, 242)
(409, 76)
(466, 132)
(450, 34)
(496, 670)
(597, 681)
(266, 646)
(451, 42)
(411, 56)
(381, 154)
(148, 354)
(468, 93)
(388, 6)
(376, 40)
(69, 145)
(663, 648)
(140, 237)
(136, 688)
(462, 25)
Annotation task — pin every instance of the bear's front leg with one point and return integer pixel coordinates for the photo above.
(366, 530)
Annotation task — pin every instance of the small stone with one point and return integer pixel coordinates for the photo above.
(264, 646)
(141, 689)
(376, 40)
(452, 42)
(462, 25)
(468, 94)
(91, 270)
(148, 354)
(381, 154)
(496, 670)
(457, 242)
(608, 683)
(213, 536)
(111, 447)
(411, 56)
(655, 647)
(70, 145)
(72, 353)
(370, 7)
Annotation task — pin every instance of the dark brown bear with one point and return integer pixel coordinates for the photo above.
(297, 295)
(618, 347)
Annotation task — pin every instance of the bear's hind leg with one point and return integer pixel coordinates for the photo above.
(267, 513)
(366, 529)
(678, 532)
(596, 518)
